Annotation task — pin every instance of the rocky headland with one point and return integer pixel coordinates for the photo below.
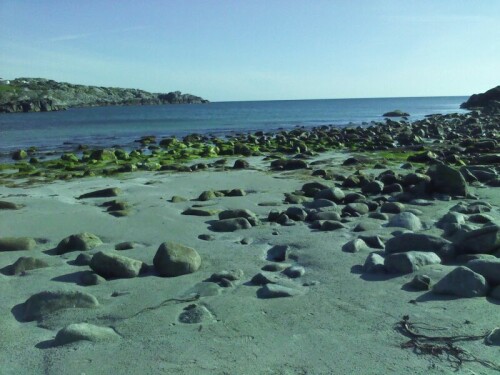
(44, 95)
(324, 250)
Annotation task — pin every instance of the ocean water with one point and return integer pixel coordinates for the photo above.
(107, 126)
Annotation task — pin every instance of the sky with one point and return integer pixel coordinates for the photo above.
(232, 50)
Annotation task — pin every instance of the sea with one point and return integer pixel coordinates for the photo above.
(123, 125)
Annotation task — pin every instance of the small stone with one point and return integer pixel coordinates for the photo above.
(44, 303)
(410, 261)
(172, 259)
(294, 272)
(206, 237)
(104, 193)
(420, 282)
(278, 291)
(78, 242)
(110, 265)
(278, 253)
(374, 263)
(125, 246)
(17, 243)
(83, 259)
(84, 331)
(405, 220)
(91, 278)
(355, 246)
(462, 282)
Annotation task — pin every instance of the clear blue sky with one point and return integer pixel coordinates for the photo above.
(257, 49)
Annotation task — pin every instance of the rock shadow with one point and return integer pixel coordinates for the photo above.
(430, 297)
(74, 277)
(18, 312)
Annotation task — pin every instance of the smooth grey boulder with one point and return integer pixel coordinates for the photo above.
(332, 194)
(374, 263)
(44, 303)
(447, 180)
(230, 225)
(24, 264)
(278, 253)
(355, 246)
(17, 243)
(84, 331)
(321, 203)
(420, 242)
(392, 207)
(356, 208)
(296, 213)
(485, 240)
(109, 265)
(172, 259)
(78, 242)
(462, 282)
(410, 261)
(489, 268)
(405, 220)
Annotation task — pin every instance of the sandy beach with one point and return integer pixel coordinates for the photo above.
(335, 318)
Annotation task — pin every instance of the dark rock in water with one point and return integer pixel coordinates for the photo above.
(482, 100)
(78, 242)
(446, 180)
(24, 264)
(172, 259)
(44, 303)
(396, 113)
(110, 265)
(104, 193)
(16, 243)
(462, 282)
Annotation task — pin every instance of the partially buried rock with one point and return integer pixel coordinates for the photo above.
(104, 193)
(172, 259)
(462, 282)
(177, 199)
(278, 291)
(374, 263)
(230, 225)
(78, 242)
(9, 206)
(110, 265)
(24, 264)
(330, 225)
(17, 243)
(410, 261)
(485, 240)
(84, 332)
(44, 303)
(83, 259)
(355, 246)
(193, 314)
(405, 220)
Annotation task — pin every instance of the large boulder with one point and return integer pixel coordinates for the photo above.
(420, 242)
(482, 100)
(172, 259)
(410, 261)
(78, 242)
(447, 180)
(44, 303)
(462, 282)
(405, 220)
(485, 240)
(110, 265)
(489, 268)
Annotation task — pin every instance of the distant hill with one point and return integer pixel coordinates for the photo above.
(43, 95)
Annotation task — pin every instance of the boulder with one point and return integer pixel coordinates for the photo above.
(333, 194)
(392, 207)
(84, 331)
(485, 240)
(355, 209)
(109, 265)
(172, 259)
(296, 213)
(230, 225)
(405, 220)
(17, 243)
(44, 303)
(355, 246)
(78, 242)
(462, 282)
(24, 264)
(447, 180)
(104, 193)
(374, 263)
(488, 268)
(373, 187)
(410, 261)
(420, 242)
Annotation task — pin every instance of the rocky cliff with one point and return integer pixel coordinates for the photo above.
(43, 95)
(488, 101)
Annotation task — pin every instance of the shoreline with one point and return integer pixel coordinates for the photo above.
(302, 276)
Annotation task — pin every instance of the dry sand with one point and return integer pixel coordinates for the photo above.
(344, 323)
